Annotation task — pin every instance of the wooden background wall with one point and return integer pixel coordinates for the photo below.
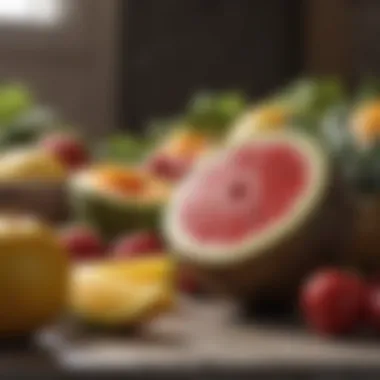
(173, 48)
(342, 37)
(328, 37)
(122, 62)
(73, 67)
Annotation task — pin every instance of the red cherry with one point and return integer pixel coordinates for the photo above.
(82, 243)
(332, 301)
(67, 149)
(138, 244)
(168, 168)
(373, 307)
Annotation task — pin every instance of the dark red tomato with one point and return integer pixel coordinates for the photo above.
(138, 244)
(69, 150)
(332, 301)
(82, 243)
(373, 306)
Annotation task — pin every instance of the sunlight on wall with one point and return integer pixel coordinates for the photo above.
(43, 12)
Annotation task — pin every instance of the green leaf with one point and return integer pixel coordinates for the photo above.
(310, 99)
(124, 148)
(15, 99)
(158, 129)
(231, 104)
(213, 113)
(29, 127)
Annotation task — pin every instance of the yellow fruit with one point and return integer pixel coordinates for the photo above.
(127, 184)
(33, 275)
(30, 164)
(267, 118)
(122, 179)
(122, 293)
(366, 123)
(185, 143)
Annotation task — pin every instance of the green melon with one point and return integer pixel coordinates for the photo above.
(113, 212)
(255, 218)
(359, 155)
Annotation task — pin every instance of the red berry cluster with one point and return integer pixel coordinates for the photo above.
(83, 244)
(337, 302)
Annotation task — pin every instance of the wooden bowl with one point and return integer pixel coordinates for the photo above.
(47, 200)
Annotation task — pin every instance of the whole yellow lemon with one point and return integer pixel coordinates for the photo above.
(33, 275)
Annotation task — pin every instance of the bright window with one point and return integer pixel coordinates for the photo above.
(43, 12)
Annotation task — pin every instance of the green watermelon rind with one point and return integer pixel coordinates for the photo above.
(187, 248)
(110, 215)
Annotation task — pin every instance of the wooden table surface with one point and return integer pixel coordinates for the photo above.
(199, 339)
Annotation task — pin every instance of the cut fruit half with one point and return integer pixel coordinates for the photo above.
(252, 207)
(117, 199)
(247, 198)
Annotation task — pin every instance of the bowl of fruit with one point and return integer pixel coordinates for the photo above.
(33, 177)
(37, 156)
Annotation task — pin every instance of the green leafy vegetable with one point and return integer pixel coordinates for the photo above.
(310, 99)
(212, 113)
(15, 99)
(158, 129)
(124, 148)
(28, 127)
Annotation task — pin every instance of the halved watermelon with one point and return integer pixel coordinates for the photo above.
(257, 215)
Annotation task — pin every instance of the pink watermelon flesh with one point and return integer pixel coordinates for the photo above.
(243, 195)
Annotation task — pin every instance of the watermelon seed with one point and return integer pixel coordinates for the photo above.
(238, 191)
